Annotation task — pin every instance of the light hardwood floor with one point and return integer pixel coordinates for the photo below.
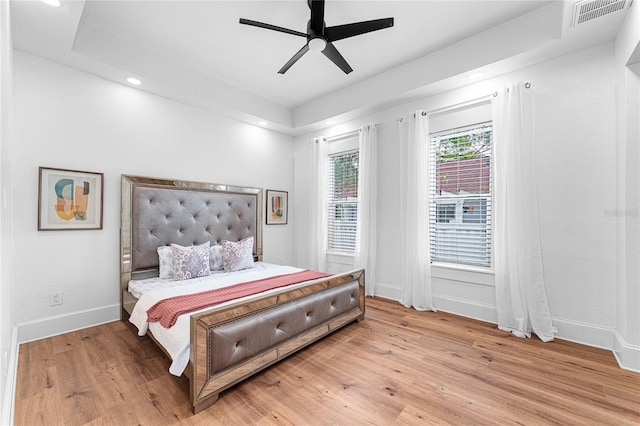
(398, 366)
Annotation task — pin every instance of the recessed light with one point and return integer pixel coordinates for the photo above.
(54, 3)
(134, 81)
(474, 76)
(262, 123)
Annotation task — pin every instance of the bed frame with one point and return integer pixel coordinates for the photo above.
(233, 342)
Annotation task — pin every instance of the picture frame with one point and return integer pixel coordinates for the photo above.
(69, 199)
(277, 207)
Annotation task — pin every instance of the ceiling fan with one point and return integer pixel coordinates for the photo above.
(321, 38)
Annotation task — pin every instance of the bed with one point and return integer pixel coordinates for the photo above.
(221, 345)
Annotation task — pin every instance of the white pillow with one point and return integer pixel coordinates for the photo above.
(237, 256)
(190, 262)
(165, 255)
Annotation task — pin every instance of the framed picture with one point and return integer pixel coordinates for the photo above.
(69, 199)
(277, 202)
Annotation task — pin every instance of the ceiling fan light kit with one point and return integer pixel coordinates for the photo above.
(320, 37)
(317, 44)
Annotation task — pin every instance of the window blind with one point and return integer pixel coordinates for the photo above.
(460, 202)
(343, 201)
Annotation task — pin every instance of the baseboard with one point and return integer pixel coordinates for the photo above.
(388, 291)
(59, 324)
(452, 305)
(466, 308)
(628, 356)
(8, 396)
(584, 333)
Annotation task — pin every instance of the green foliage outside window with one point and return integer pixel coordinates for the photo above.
(345, 177)
(464, 147)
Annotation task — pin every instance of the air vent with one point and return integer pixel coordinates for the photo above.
(588, 10)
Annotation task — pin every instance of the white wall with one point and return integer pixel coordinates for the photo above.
(8, 349)
(69, 119)
(575, 133)
(627, 67)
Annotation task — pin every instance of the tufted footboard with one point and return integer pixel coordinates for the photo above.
(232, 343)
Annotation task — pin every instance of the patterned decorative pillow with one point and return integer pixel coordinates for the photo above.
(166, 262)
(190, 262)
(237, 256)
(215, 258)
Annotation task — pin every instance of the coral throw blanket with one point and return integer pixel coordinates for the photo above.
(168, 310)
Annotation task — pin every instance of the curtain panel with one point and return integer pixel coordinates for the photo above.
(413, 211)
(521, 297)
(366, 232)
(318, 211)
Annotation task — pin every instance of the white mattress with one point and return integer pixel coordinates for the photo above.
(176, 338)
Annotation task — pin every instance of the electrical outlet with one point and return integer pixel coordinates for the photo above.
(55, 298)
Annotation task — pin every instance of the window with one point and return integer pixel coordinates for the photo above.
(343, 201)
(460, 202)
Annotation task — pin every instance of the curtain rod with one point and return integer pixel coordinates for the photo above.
(462, 104)
(334, 138)
(340, 136)
(454, 106)
(465, 103)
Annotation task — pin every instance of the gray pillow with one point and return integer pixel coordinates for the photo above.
(215, 258)
(165, 256)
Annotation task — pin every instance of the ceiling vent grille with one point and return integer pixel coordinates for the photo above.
(587, 10)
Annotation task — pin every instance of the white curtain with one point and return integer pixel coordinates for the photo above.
(318, 212)
(413, 212)
(366, 236)
(520, 291)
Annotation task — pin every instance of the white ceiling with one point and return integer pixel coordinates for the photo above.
(197, 52)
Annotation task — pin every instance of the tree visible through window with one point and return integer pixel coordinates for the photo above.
(343, 201)
(460, 208)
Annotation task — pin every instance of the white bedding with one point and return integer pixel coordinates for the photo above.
(176, 338)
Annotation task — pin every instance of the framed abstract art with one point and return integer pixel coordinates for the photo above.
(277, 202)
(69, 199)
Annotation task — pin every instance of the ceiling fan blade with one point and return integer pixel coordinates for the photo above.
(340, 32)
(271, 27)
(294, 59)
(317, 15)
(332, 53)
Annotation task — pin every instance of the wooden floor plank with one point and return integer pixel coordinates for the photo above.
(398, 367)
(43, 403)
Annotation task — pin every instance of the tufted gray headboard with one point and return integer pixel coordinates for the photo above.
(162, 216)
(156, 212)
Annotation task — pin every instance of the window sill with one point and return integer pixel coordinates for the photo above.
(338, 255)
(463, 273)
(338, 262)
